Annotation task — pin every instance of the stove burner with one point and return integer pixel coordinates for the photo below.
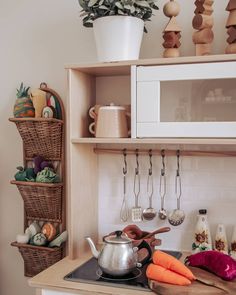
(90, 273)
(131, 276)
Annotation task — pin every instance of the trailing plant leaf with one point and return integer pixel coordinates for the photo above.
(93, 9)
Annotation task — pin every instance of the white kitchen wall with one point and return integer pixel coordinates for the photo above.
(206, 183)
(37, 39)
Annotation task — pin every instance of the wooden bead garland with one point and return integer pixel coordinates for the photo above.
(231, 27)
(203, 23)
(171, 33)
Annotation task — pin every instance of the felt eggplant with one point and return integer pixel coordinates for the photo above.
(40, 164)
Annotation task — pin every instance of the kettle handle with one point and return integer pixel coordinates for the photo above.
(146, 259)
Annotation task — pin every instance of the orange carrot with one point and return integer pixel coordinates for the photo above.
(160, 274)
(169, 262)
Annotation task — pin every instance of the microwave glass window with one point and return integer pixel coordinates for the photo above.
(198, 101)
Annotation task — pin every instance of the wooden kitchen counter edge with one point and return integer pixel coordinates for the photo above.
(52, 279)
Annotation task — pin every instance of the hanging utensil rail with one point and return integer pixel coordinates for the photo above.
(167, 152)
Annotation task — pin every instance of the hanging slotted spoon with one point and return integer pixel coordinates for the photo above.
(176, 217)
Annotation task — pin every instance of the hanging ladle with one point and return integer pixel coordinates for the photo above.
(162, 188)
(149, 213)
(176, 217)
(124, 211)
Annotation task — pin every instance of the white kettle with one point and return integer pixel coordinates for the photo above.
(110, 121)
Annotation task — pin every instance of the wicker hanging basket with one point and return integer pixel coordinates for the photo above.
(42, 201)
(37, 258)
(41, 137)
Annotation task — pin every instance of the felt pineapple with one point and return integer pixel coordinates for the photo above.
(23, 106)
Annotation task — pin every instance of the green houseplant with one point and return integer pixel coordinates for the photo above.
(118, 26)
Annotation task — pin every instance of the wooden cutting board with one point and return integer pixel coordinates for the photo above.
(197, 287)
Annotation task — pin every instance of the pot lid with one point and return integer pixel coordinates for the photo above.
(118, 238)
(112, 106)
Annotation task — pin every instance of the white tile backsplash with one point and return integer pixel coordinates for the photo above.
(206, 183)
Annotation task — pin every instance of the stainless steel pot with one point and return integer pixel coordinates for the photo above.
(118, 257)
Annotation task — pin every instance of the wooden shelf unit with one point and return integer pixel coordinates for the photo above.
(83, 92)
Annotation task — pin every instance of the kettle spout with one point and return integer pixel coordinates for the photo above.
(92, 247)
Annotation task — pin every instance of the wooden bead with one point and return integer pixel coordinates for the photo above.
(231, 19)
(231, 5)
(232, 35)
(203, 49)
(171, 9)
(207, 2)
(171, 52)
(201, 21)
(204, 36)
(203, 9)
(231, 48)
(171, 40)
(172, 26)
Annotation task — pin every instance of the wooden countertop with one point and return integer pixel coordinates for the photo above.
(52, 279)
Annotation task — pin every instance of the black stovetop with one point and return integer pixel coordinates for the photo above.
(90, 273)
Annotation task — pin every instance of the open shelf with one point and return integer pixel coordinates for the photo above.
(166, 141)
(123, 68)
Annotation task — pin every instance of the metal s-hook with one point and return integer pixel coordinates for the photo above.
(150, 161)
(125, 162)
(177, 156)
(163, 169)
(137, 163)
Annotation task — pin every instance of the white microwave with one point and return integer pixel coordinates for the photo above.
(185, 100)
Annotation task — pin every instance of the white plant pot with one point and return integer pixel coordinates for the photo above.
(118, 37)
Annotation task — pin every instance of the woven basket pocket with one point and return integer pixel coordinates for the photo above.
(36, 258)
(41, 137)
(43, 201)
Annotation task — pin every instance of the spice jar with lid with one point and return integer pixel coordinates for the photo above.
(202, 237)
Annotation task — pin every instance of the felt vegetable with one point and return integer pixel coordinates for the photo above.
(169, 262)
(49, 231)
(40, 164)
(23, 106)
(160, 274)
(39, 101)
(37, 162)
(47, 175)
(59, 240)
(49, 112)
(39, 239)
(22, 238)
(220, 264)
(26, 174)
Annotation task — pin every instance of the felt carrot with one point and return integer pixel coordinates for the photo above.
(160, 274)
(169, 262)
